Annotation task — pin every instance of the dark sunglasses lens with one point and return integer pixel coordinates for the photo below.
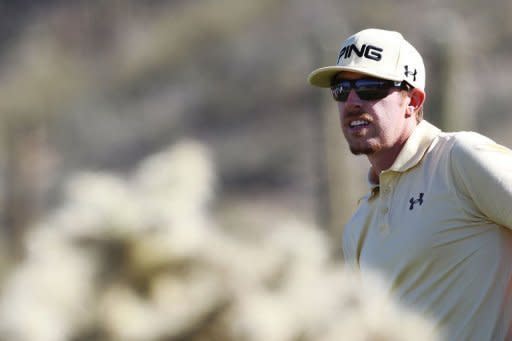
(339, 94)
(366, 89)
(372, 94)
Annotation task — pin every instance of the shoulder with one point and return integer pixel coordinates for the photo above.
(474, 155)
(468, 145)
(464, 139)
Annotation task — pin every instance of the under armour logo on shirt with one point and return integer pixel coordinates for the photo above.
(408, 73)
(413, 201)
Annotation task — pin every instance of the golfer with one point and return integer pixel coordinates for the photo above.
(437, 219)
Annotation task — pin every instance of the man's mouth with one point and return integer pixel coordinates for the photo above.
(358, 124)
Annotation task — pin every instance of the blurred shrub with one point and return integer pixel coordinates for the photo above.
(139, 258)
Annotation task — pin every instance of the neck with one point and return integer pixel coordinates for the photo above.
(385, 158)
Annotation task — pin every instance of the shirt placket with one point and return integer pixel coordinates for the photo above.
(385, 200)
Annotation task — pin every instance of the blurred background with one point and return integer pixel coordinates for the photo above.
(102, 85)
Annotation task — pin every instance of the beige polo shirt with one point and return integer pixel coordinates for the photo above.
(439, 229)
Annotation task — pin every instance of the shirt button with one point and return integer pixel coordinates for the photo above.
(385, 210)
(387, 189)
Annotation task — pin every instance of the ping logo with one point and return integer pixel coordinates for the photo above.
(413, 201)
(408, 73)
(367, 51)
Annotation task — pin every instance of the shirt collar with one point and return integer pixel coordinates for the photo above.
(413, 150)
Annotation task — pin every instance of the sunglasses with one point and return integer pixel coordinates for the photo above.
(368, 89)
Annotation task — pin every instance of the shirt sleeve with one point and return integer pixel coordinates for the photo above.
(483, 172)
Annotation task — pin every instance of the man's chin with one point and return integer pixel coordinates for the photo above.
(359, 151)
(363, 150)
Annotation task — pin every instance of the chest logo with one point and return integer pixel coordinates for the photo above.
(414, 201)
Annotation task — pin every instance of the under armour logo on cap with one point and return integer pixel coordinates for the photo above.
(408, 73)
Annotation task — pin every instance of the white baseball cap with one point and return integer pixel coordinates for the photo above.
(378, 53)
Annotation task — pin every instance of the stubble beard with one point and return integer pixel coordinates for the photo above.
(364, 150)
(362, 143)
(363, 147)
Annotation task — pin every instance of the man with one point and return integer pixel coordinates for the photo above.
(437, 222)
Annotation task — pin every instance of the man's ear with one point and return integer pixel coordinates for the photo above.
(417, 98)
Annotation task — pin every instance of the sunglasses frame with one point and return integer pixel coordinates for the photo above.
(367, 89)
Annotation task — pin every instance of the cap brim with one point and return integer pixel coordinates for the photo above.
(323, 76)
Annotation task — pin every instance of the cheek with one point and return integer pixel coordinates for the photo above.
(392, 108)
